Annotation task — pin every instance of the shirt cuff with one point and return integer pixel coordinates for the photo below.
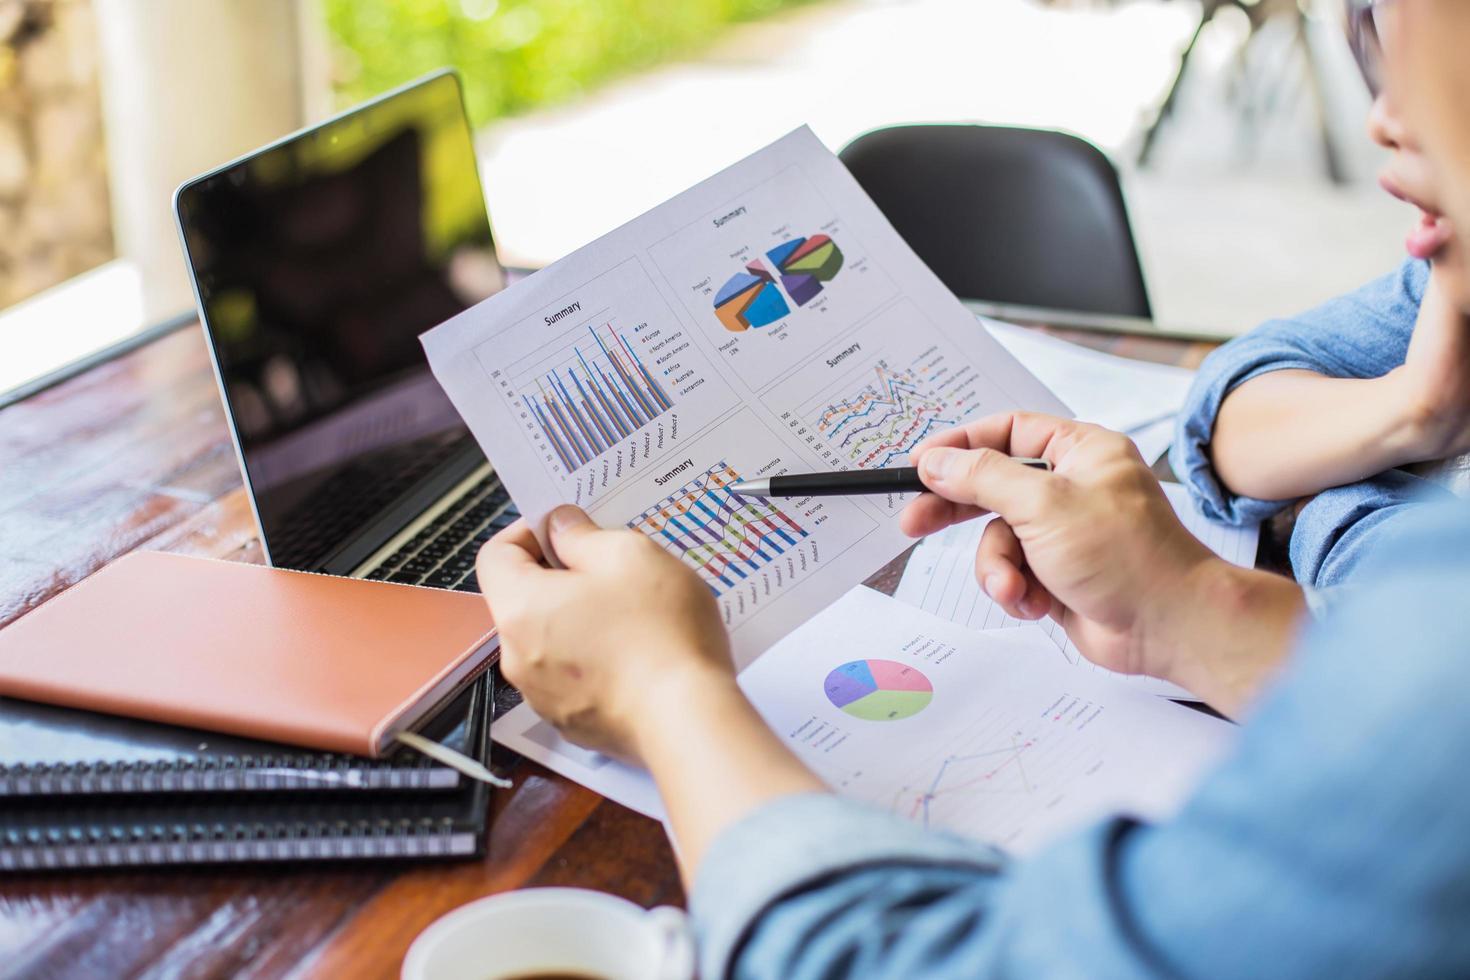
(798, 840)
(1190, 455)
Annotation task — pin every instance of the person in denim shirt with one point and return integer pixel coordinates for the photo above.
(1354, 408)
(1332, 842)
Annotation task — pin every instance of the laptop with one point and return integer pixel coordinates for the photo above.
(316, 262)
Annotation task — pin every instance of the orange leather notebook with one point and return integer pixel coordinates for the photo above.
(328, 663)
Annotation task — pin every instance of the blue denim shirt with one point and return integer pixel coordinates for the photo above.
(1361, 335)
(1334, 842)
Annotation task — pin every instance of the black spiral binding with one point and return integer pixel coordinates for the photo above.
(225, 774)
(183, 842)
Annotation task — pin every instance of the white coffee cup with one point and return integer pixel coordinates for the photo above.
(546, 930)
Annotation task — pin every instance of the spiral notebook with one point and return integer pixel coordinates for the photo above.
(54, 838)
(58, 834)
(62, 832)
(50, 751)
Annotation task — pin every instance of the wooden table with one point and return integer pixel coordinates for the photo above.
(133, 454)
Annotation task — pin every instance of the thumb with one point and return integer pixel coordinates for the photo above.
(986, 478)
(571, 533)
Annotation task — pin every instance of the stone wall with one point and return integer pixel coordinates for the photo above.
(54, 215)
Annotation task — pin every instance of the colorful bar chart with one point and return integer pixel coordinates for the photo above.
(603, 394)
(723, 536)
(804, 264)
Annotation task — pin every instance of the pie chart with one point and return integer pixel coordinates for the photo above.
(878, 690)
(804, 264)
(750, 299)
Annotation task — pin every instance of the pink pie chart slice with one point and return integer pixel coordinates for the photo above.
(892, 676)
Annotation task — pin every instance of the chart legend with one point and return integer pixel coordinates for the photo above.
(603, 394)
(723, 536)
(878, 690)
(750, 299)
(806, 263)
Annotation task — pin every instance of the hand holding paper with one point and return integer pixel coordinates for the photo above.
(587, 644)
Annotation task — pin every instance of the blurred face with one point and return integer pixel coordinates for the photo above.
(1425, 120)
(1408, 174)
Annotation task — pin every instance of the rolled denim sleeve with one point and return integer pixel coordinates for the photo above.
(1341, 528)
(1364, 334)
(817, 839)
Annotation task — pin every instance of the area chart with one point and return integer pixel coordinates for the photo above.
(723, 536)
(804, 264)
(878, 690)
(603, 395)
(750, 299)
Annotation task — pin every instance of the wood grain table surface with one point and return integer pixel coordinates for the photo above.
(133, 454)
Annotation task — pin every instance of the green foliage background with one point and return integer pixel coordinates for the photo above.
(517, 54)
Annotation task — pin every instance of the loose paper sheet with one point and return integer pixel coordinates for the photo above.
(1135, 397)
(986, 734)
(940, 578)
(1121, 393)
(1154, 439)
(768, 320)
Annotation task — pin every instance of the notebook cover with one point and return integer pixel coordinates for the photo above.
(68, 833)
(312, 660)
(51, 751)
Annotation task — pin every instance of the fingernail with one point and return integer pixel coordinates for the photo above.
(565, 518)
(938, 462)
(992, 583)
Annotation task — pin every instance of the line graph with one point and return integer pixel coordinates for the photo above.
(601, 394)
(723, 536)
(1020, 765)
(994, 762)
(875, 416)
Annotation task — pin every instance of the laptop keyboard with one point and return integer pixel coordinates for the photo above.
(442, 555)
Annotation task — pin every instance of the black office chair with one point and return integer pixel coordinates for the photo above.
(1006, 215)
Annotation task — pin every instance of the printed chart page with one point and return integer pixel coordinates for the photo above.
(940, 578)
(980, 733)
(768, 320)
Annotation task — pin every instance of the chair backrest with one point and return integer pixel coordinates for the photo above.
(1007, 215)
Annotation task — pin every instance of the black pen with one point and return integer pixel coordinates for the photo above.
(902, 479)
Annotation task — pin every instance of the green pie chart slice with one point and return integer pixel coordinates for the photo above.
(889, 705)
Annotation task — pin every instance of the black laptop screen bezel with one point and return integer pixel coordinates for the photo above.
(383, 522)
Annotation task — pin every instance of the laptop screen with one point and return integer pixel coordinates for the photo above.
(318, 261)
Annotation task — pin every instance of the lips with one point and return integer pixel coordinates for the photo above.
(1433, 232)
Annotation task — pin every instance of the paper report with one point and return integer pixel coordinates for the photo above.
(986, 734)
(767, 320)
